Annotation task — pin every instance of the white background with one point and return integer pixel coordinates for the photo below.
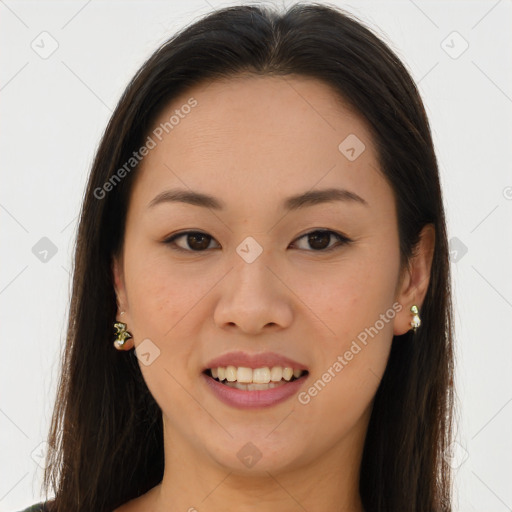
(53, 112)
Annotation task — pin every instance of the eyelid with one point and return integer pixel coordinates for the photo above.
(342, 239)
(170, 240)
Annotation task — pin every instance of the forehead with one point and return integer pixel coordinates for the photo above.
(251, 133)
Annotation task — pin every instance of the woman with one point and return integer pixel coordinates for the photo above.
(263, 229)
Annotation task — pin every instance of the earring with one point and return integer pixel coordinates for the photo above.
(122, 335)
(416, 321)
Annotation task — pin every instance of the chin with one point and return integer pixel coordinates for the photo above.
(256, 455)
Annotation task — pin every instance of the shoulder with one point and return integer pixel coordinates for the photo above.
(38, 507)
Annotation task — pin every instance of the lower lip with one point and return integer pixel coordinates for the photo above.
(254, 399)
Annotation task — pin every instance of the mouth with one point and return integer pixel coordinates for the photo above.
(257, 379)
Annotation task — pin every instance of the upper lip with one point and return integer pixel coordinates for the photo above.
(253, 361)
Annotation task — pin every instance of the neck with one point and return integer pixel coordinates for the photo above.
(193, 481)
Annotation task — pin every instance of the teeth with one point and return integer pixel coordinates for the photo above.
(247, 378)
(276, 374)
(231, 373)
(253, 387)
(287, 373)
(244, 375)
(261, 376)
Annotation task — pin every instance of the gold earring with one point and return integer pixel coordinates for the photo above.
(122, 335)
(416, 320)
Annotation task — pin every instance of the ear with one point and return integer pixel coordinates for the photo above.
(415, 279)
(121, 297)
(119, 287)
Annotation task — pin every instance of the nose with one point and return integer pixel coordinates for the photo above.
(254, 297)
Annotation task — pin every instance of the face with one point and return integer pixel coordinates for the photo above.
(319, 284)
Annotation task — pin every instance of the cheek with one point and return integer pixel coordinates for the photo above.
(357, 306)
(160, 296)
(159, 292)
(354, 296)
(165, 307)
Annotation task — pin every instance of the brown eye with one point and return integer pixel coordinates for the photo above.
(194, 241)
(319, 240)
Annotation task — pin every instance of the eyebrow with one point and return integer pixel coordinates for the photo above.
(310, 198)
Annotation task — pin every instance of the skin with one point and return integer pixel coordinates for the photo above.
(252, 142)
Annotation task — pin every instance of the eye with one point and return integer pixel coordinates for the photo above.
(196, 241)
(320, 239)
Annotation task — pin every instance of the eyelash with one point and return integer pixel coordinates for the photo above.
(342, 239)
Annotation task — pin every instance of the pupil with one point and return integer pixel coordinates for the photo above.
(195, 236)
(319, 235)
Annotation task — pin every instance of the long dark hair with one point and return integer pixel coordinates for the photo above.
(106, 437)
